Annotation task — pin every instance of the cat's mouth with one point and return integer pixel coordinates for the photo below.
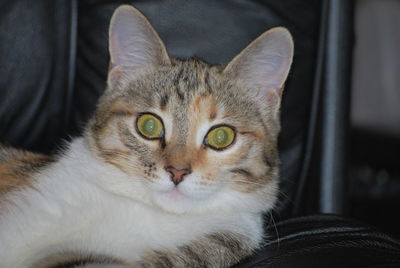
(183, 197)
(175, 194)
(174, 200)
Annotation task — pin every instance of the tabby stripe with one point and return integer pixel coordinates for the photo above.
(74, 260)
(177, 84)
(207, 82)
(121, 113)
(215, 250)
(164, 101)
(129, 140)
(242, 172)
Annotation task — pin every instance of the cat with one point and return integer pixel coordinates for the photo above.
(175, 168)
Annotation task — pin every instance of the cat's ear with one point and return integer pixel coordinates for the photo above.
(264, 64)
(133, 42)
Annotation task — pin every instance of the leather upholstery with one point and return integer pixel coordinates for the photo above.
(36, 72)
(325, 241)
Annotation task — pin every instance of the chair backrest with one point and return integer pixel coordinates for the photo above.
(37, 54)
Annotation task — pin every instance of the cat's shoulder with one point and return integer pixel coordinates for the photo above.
(18, 166)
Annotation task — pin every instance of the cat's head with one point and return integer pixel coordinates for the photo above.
(189, 136)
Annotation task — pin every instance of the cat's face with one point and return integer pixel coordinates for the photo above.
(189, 136)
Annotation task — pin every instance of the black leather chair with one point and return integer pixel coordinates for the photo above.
(53, 66)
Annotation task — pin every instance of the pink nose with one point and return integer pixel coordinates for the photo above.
(177, 174)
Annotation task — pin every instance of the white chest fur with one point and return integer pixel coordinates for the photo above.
(67, 211)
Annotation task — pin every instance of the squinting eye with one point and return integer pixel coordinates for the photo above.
(220, 137)
(150, 126)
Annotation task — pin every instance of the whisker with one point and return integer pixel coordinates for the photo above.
(276, 228)
(284, 194)
(245, 181)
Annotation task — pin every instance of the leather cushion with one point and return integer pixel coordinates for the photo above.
(325, 241)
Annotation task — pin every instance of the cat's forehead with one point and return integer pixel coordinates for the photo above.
(187, 83)
(186, 79)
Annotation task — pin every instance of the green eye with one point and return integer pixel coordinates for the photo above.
(150, 126)
(220, 137)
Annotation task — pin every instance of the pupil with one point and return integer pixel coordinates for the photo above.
(150, 125)
(220, 137)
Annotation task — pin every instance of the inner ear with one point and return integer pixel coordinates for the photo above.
(133, 42)
(265, 63)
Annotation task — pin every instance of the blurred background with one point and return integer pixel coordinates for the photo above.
(375, 115)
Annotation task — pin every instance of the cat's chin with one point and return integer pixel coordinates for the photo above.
(174, 201)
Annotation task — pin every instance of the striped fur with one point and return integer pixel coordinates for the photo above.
(78, 260)
(214, 250)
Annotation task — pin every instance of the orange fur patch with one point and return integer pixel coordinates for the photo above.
(17, 168)
(213, 111)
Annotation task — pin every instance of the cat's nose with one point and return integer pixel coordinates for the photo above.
(177, 174)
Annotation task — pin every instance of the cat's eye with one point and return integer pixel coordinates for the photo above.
(150, 126)
(220, 137)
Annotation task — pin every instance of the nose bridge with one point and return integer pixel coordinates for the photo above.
(178, 153)
(178, 156)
